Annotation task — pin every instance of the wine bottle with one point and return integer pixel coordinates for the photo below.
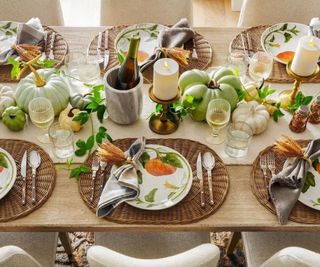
(128, 75)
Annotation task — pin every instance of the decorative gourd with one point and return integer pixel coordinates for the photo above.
(251, 91)
(6, 98)
(201, 88)
(66, 119)
(80, 101)
(254, 114)
(43, 83)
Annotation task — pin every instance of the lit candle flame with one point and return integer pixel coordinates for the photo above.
(312, 42)
(165, 65)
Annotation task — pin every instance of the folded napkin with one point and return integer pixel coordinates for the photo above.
(315, 27)
(285, 187)
(28, 33)
(177, 36)
(122, 184)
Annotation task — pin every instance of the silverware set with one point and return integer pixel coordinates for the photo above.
(268, 166)
(207, 162)
(33, 160)
(95, 167)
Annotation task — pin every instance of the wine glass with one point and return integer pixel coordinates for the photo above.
(41, 115)
(218, 116)
(260, 66)
(238, 62)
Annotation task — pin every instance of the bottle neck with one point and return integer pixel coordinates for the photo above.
(134, 47)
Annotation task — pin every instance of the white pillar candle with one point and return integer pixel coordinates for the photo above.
(165, 78)
(306, 56)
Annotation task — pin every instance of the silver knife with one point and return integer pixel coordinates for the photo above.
(23, 172)
(53, 38)
(200, 177)
(106, 49)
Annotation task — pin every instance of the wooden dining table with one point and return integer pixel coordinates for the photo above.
(65, 211)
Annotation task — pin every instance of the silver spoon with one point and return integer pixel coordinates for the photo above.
(34, 161)
(208, 162)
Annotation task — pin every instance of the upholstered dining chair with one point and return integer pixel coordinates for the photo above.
(153, 249)
(48, 11)
(40, 246)
(285, 249)
(119, 12)
(262, 12)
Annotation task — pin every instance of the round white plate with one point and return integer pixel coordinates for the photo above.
(281, 40)
(165, 178)
(8, 34)
(7, 175)
(310, 195)
(148, 33)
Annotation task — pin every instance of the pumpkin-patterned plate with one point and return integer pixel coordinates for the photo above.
(164, 176)
(8, 172)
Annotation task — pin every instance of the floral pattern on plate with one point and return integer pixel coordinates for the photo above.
(164, 176)
(148, 33)
(281, 40)
(8, 171)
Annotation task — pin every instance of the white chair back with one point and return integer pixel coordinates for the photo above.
(120, 12)
(12, 256)
(206, 255)
(49, 11)
(264, 12)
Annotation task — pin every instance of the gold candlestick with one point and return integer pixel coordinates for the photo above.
(289, 96)
(162, 123)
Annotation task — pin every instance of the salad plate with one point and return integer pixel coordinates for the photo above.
(281, 40)
(164, 177)
(8, 172)
(148, 33)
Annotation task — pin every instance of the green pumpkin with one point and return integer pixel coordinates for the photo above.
(202, 89)
(14, 118)
(80, 101)
(43, 83)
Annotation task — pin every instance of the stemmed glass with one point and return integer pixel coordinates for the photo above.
(41, 115)
(260, 66)
(218, 116)
(238, 62)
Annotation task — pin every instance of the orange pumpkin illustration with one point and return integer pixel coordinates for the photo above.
(318, 167)
(286, 56)
(158, 168)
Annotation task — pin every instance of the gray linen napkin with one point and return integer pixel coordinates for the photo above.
(28, 33)
(122, 184)
(177, 36)
(314, 27)
(285, 187)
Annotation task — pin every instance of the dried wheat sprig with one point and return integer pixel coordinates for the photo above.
(178, 54)
(110, 153)
(289, 147)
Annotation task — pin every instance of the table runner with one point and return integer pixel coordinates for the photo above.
(188, 129)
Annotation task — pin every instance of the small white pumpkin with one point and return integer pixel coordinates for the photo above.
(7, 98)
(66, 119)
(254, 114)
(43, 83)
(251, 91)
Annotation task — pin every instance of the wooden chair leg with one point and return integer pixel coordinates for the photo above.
(66, 243)
(233, 241)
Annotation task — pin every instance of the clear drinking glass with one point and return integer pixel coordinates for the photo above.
(89, 72)
(218, 116)
(62, 141)
(72, 61)
(41, 114)
(238, 62)
(260, 66)
(239, 135)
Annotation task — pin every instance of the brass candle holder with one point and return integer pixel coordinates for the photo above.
(288, 96)
(162, 123)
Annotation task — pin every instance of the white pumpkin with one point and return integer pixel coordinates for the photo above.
(6, 98)
(66, 119)
(254, 114)
(43, 83)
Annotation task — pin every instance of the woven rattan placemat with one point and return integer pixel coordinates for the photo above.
(279, 73)
(300, 212)
(188, 210)
(200, 44)
(60, 50)
(10, 206)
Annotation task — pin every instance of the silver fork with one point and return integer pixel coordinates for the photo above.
(53, 38)
(94, 169)
(271, 163)
(264, 168)
(103, 166)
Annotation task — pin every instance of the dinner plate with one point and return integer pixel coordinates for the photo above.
(8, 172)
(164, 176)
(310, 195)
(281, 40)
(148, 33)
(8, 34)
